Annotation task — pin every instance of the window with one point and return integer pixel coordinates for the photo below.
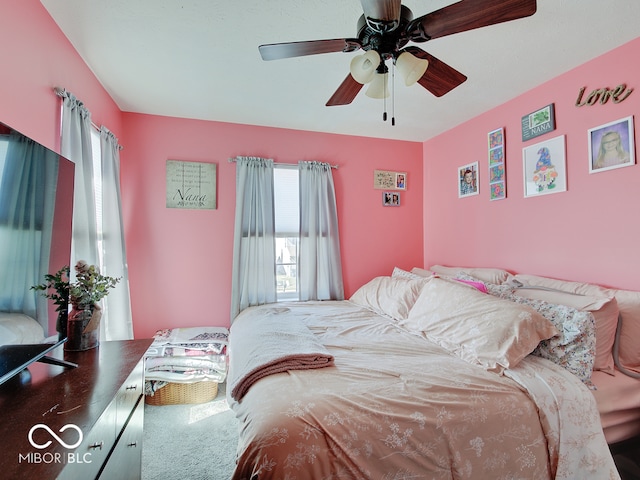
(287, 228)
(97, 185)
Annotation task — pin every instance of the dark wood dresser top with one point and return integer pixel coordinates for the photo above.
(50, 397)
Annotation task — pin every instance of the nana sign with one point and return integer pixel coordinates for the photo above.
(538, 123)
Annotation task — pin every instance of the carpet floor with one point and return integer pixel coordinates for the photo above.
(194, 442)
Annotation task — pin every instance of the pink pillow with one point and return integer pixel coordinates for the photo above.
(479, 285)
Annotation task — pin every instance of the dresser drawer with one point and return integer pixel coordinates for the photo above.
(125, 462)
(85, 462)
(128, 395)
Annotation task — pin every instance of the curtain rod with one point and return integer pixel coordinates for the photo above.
(233, 160)
(61, 93)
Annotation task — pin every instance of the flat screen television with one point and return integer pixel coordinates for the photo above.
(15, 359)
(36, 212)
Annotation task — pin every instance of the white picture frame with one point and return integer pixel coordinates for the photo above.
(611, 146)
(545, 167)
(468, 180)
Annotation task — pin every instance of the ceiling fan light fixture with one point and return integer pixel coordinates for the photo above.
(363, 67)
(411, 67)
(378, 87)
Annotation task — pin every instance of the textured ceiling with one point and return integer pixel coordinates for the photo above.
(199, 59)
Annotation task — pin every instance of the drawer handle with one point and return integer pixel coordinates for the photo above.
(132, 444)
(132, 387)
(96, 445)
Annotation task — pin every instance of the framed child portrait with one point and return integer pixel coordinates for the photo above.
(468, 180)
(611, 146)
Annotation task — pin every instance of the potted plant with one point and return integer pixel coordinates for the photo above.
(56, 288)
(83, 294)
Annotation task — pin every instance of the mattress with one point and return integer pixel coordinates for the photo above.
(618, 399)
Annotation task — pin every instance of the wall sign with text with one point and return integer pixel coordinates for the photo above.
(191, 185)
(538, 123)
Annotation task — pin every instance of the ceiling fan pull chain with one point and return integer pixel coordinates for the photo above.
(384, 101)
(393, 94)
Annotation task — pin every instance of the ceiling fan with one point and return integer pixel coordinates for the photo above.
(384, 31)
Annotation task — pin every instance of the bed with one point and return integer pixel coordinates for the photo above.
(425, 374)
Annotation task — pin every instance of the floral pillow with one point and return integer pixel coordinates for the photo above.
(575, 346)
(479, 328)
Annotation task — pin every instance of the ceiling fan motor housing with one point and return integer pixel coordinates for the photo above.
(385, 37)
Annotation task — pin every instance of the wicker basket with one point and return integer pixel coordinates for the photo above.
(180, 393)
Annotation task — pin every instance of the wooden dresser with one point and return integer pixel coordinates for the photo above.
(76, 423)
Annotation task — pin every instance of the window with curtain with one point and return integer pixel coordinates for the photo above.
(286, 234)
(287, 230)
(98, 236)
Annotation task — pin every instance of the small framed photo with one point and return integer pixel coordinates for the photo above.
(468, 180)
(545, 168)
(391, 199)
(611, 146)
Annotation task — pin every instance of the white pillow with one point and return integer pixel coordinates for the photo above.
(477, 327)
(390, 296)
(496, 276)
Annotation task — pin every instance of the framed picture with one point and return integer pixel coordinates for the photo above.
(538, 123)
(389, 180)
(190, 185)
(497, 177)
(391, 199)
(611, 146)
(545, 167)
(468, 180)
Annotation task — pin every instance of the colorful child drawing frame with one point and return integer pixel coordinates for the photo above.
(611, 146)
(497, 161)
(545, 167)
(468, 181)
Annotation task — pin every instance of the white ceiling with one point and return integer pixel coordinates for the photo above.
(199, 59)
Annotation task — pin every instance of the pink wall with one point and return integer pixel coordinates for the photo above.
(180, 260)
(588, 233)
(36, 57)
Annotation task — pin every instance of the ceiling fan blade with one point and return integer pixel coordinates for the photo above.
(277, 51)
(439, 78)
(468, 15)
(382, 15)
(345, 93)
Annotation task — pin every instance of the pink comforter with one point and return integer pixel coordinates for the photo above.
(396, 406)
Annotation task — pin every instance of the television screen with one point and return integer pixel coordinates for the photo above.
(15, 358)
(36, 211)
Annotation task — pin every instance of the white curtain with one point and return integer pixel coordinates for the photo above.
(117, 324)
(320, 266)
(29, 178)
(254, 276)
(76, 146)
